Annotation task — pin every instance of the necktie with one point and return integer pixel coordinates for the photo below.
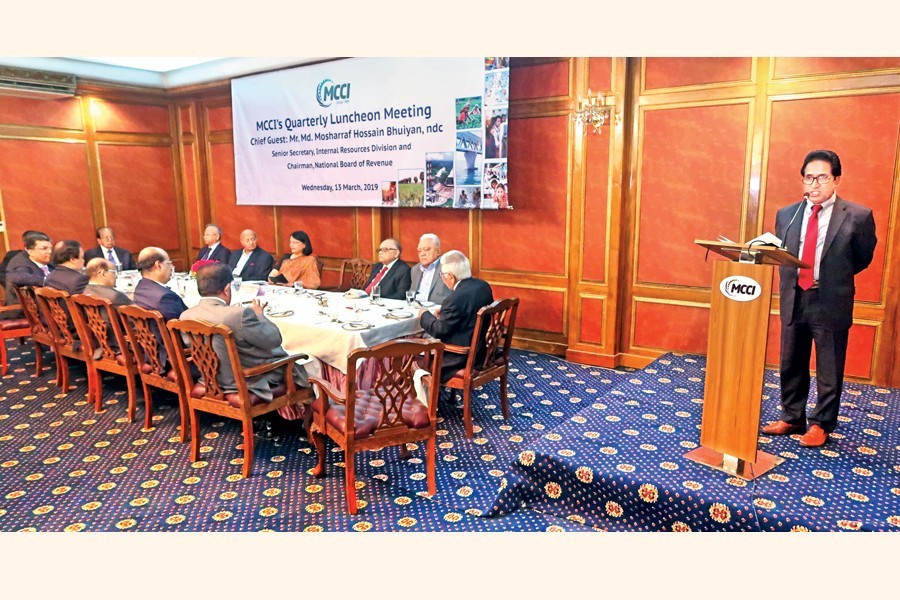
(46, 270)
(375, 281)
(805, 278)
(110, 257)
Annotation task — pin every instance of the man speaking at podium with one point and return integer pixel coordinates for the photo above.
(837, 238)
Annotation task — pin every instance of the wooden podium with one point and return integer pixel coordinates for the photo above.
(736, 358)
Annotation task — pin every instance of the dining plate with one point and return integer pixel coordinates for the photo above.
(356, 326)
(275, 314)
(427, 304)
(395, 313)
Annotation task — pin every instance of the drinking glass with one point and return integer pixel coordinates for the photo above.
(298, 287)
(409, 297)
(236, 285)
(376, 294)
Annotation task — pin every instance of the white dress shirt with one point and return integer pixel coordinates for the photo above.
(427, 278)
(245, 256)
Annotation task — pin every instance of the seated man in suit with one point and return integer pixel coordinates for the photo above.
(257, 339)
(29, 268)
(106, 242)
(12, 254)
(426, 277)
(69, 260)
(455, 322)
(101, 276)
(151, 291)
(252, 263)
(392, 274)
(213, 249)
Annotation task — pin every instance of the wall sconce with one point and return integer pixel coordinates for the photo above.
(592, 111)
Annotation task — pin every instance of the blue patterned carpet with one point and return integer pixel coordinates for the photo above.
(585, 449)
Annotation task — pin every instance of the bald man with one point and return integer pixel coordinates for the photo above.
(151, 291)
(252, 263)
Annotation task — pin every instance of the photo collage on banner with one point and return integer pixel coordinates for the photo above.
(391, 132)
(494, 190)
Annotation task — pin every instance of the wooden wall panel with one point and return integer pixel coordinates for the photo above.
(187, 120)
(193, 213)
(793, 67)
(219, 118)
(671, 326)
(130, 118)
(600, 74)
(364, 233)
(44, 185)
(677, 72)
(327, 229)
(139, 195)
(596, 197)
(592, 320)
(63, 113)
(532, 237)
(863, 130)
(229, 216)
(452, 226)
(692, 186)
(545, 80)
(539, 309)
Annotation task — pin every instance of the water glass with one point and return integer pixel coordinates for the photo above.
(298, 287)
(376, 294)
(409, 297)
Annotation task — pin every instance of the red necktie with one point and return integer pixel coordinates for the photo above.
(376, 280)
(805, 278)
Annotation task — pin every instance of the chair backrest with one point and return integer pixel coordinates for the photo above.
(54, 308)
(357, 270)
(492, 337)
(99, 327)
(198, 339)
(392, 382)
(147, 330)
(28, 302)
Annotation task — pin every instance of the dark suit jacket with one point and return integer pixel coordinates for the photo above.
(67, 280)
(221, 254)
(154, 296)
(438, 291)
(257, 339)
(395, 282)
(123, 255)
(457, 321)
(9, 256)
(258, 266)
(849, 247)
(21, 271)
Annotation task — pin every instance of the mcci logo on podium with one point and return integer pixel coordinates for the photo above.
(740, 288)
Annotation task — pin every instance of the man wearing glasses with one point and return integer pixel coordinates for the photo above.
(837, 238)
(29, 268)
(151, 291)
(101, 276)
(391, 274)
(106, 248)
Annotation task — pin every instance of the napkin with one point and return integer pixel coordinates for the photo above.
(354, 293)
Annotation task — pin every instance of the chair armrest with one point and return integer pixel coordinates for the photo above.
(260, 369)
(456, 349)
(328, 388)
(10, 308)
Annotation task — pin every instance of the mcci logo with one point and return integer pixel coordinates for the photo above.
(328, 91)
(740, 288)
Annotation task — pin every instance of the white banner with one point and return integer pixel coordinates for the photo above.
(405, 132)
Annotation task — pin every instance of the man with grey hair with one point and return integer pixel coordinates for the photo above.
(426, 278)
(151, 291)
(213, 249)
(391, 274)
(454, 323)
(101, 276)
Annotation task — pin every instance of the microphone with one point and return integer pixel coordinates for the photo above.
(791, 222)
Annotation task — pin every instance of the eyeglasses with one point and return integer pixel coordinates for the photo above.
(822, 179)
(387, 249)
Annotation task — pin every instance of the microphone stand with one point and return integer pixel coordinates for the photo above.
(791, 222)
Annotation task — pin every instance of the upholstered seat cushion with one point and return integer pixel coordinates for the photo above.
(13, 324)
(368, 412)
(235, 399)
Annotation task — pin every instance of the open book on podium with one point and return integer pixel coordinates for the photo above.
(740, 303)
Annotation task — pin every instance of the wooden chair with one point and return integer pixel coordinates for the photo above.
(11, 329)
(148, 334)
(355, 271)
(97, 322)
(209, 396)
(494, 326)
(54, 308)
(387, 414)
(40, 333)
